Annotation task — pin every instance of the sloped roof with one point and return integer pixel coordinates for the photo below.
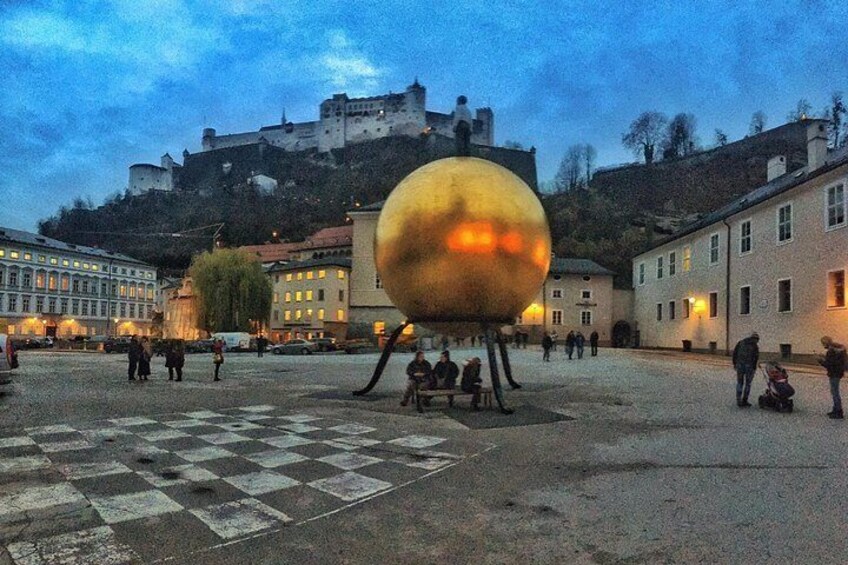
(344, 262)
(575, 266)
(270, 252)
(35, 240)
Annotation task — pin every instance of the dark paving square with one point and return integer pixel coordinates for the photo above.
(319, 435)
(306, 471)
(201, 430)
(524, 415)
(392, 472)
(182, 443)
(314, 450)
(91, 455)
(222, 420)
(19, 450)
(109, 485)
(166, 535)
(144, 428)
(246, 447)
(62, 522)
(154, 462)
(204, 493)
(260, 433)
(229, 466)
(301, 502)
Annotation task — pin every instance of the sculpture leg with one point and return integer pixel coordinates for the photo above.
(384, 359)
(493, 369)
(505, 359)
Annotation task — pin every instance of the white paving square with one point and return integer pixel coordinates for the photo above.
(240, 518)
(56, 446)
(57, 429)
(189, 423)
(300, 428)
(300, 418)
(186, 474)
(338, 445)
(101, 434)
(239, 426)
(427, 463)
(134, 421)
(286, 441)
(24, 463)
(258, 408)
(202, 414)
(204, 454)
(94, 546)
(350, 486)
(16, 441)
(162, 435)
(275, 458)
(261, 482)
(125, 507)
(76, 471)
(23, 500)
(357, 441)
(256, 417)
(349, 461)
(352, 429)
(417, 442)
(223, 438)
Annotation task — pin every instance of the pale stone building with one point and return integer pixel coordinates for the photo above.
(179, 311)
(772, 261)
(145, 177)
(310, 298)
(57, 289)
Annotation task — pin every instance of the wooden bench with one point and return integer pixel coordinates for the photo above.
(485, 395)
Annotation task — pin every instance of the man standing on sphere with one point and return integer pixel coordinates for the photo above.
(462, 126)
(746, 355)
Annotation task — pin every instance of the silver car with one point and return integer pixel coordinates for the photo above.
(295, 347)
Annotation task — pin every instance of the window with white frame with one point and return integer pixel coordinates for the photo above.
(836, 289)
(745, 237)
(672, 264)
(586, 318)
(556, 293)
(835, 203)
(714, 243)
(659, 267)
(745, 300)
(641, 273)
(784, 295)
(556, 317)
(784, 223)
(687, 259)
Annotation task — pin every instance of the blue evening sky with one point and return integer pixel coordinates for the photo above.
(90, 87)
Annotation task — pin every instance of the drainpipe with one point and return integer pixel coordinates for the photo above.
(727, 293)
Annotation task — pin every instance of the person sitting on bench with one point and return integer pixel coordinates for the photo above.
(444, 374)
(418, 372)
(471, 380)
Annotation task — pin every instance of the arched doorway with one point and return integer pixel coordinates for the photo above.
(621, 334)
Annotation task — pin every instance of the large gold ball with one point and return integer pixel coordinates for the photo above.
(462, 242)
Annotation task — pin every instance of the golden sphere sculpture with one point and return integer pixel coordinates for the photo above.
(462, 242)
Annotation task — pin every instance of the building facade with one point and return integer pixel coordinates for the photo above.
(772, 261)
(179, 311)
(51, 288)
(343, 120)
(310, 298)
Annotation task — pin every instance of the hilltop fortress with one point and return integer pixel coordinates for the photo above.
(343, 120)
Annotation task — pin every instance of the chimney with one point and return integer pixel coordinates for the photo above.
(816, 144)
(776, 167)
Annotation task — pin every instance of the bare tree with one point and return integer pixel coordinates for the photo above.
(802, 110)
(680, 139)
(644, 134)
(720, 138)
(758, 123)
(836, 113)
(589, 156)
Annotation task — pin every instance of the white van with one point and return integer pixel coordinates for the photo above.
(234, 341)
(8, 359)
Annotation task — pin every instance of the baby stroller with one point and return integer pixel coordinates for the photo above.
(778, 394)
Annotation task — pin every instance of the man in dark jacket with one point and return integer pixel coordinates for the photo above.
(547, 345)
(593, 343)
(418, 372)
(746, 355)
(471, 381)
(133, 355)
(445, 373)
(834, 361)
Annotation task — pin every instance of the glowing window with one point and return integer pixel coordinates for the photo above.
(340, 316)
(309, 296)
(27, 256)
(341, 274)
(379, 327)
(310, 275)
(322, 273)
(320, 313)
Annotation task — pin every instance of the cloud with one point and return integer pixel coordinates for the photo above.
(347, 68)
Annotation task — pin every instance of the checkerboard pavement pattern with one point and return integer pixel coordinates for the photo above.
(140, 489)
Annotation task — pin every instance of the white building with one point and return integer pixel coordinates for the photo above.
(773, 262)
(145, 177)
(52, 288)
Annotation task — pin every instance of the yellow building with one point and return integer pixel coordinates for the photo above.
(310, 298)
(179, 307)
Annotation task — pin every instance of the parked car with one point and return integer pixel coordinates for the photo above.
(29, 343)
(325, 343)
(199, 346)
(116, 345)
(360, 346)
(234, 341)
(295, 347)
(8, 359)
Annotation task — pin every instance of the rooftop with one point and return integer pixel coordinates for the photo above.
(279, 266)
(26, 238)
(574, 266)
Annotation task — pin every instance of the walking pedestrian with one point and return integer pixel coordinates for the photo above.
(133, 354)
(579, 342)
(417, 372)
(218, 356)
(463, 123)
(175, 359)
(569, 344)
(525, 338)
(834, 361)
(261, 344)
(445, 342)
(593, 343)
(473, 341)
(471, 381)
(554, 338)
(547, 344)
(746, 355)
(144, 358)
